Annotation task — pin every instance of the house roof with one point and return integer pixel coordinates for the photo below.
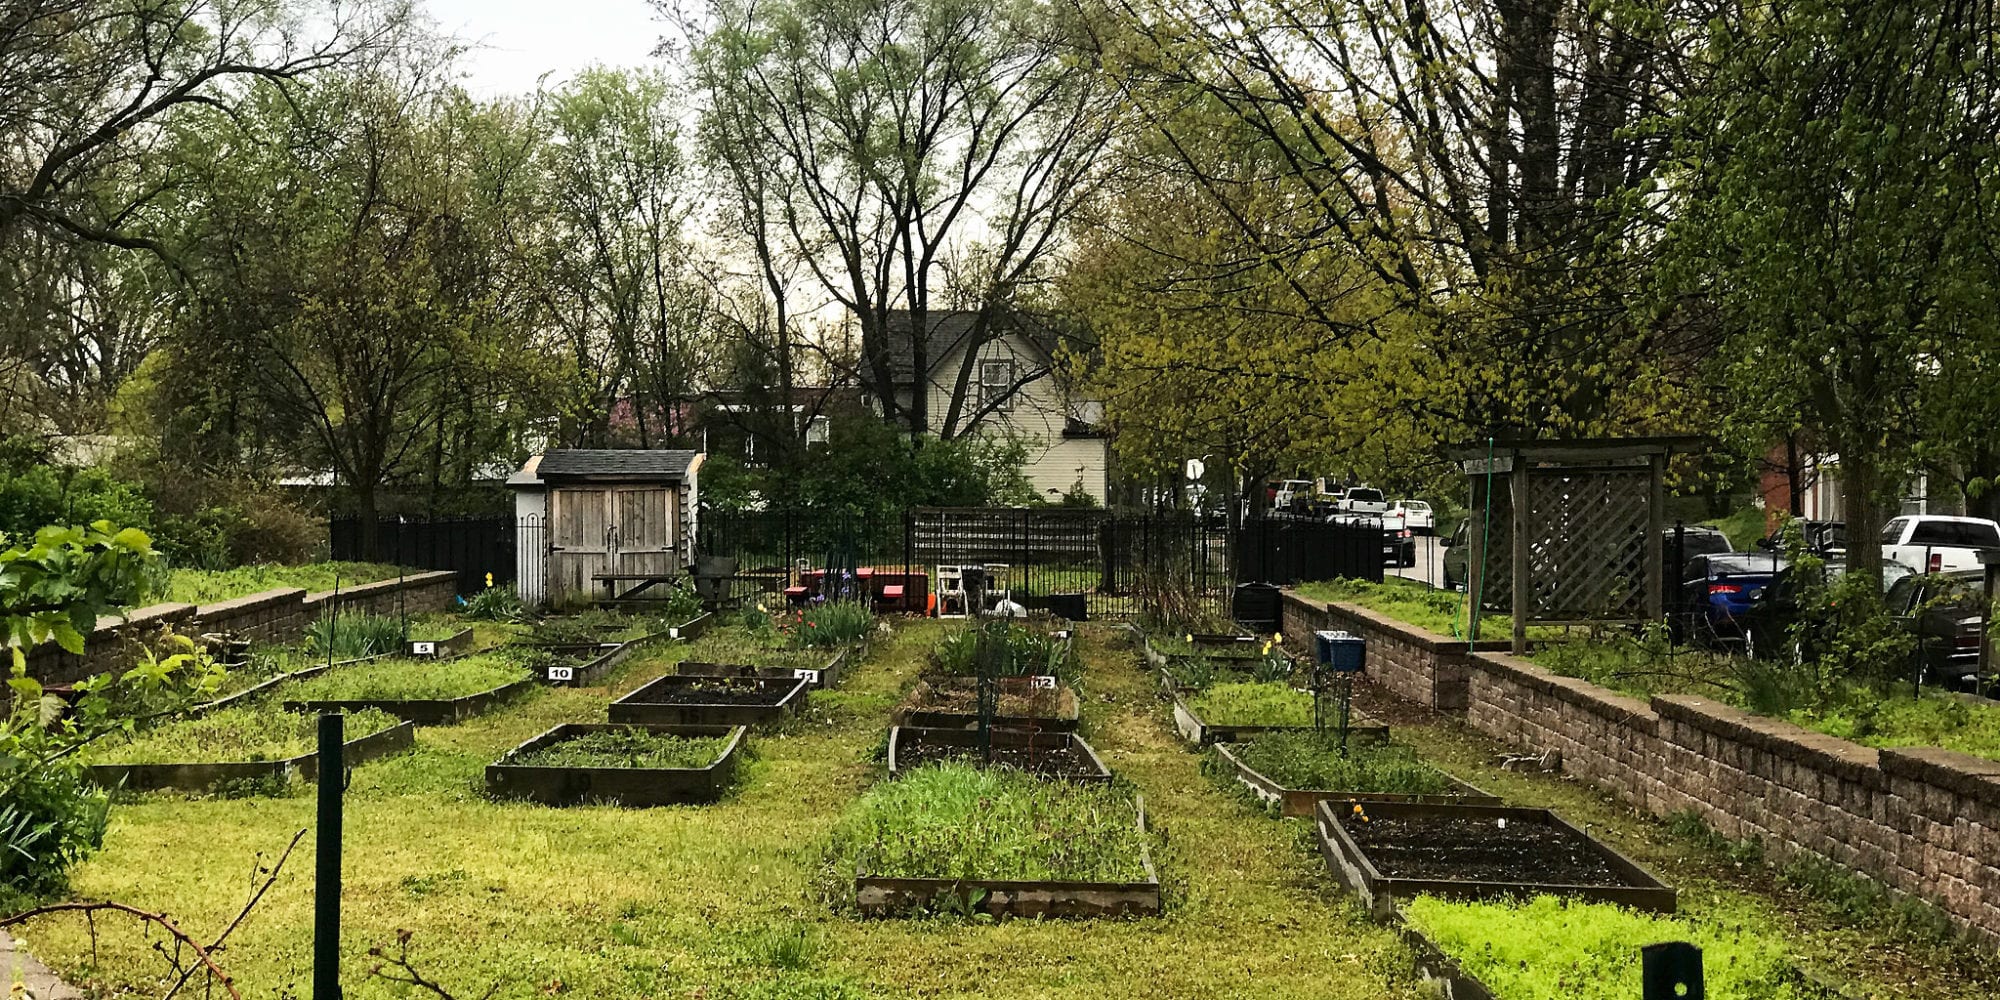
(623, 464)
(949, 331)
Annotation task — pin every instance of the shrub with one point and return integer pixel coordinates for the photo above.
(1021, 651)
(495, 604)
(835, 623)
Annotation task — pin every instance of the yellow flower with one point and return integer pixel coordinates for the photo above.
(489, 579)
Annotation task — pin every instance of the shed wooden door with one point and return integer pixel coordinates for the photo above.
(581, 541)
(644, 531)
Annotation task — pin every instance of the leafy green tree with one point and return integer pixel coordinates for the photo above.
(624, 285)
(876, 142)
(1833, 192)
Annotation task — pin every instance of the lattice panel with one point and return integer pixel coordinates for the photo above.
(1587, 549)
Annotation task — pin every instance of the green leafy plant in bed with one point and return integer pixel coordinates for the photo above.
(1551, 949)
(245, 733)
(434, 628)
(350, 637)
(824, 626)
(959, 821)
(1312, 760)
(1019, 651)
(634, 748)
(1268, 703)
(399, 679)
(740, 646)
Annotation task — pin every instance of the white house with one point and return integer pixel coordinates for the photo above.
(1012, 388)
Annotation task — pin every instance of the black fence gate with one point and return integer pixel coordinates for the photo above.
(470, 546)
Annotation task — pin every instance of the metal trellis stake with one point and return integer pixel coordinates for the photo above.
(326, 874)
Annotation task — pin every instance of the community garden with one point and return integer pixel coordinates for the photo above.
(806, 804)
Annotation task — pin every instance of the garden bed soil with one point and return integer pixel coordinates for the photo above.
(201, 776)
(1195, 730)
(428, 711)
(953, 703)
(1300, 802)
(1402, 850)
(675, 700)
(625, 786)
(1047, 755)
(881, 896)
(826, 675)
(450, 646)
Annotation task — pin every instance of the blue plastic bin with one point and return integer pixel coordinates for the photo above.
(1340, 651)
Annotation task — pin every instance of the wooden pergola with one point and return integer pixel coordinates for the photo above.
(1581, 520)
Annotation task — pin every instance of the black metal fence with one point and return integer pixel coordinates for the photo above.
(470, 546)
(1110, 558)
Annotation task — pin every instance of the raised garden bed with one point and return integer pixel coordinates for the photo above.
(583, 664)
(578, 763)
(426, 693)
(1372, 772)
(964, 839)
(1019, 649)
(1024, 703)
(1554, 949)
(1390, 852)
(674, 700)
(692, 629)
(812, 666)
(1232, 713)
(1047, 755)
(274, 747)
(455, 644)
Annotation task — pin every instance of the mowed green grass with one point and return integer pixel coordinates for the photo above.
(717, 901)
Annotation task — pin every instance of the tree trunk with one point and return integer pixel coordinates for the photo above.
(1861, 492)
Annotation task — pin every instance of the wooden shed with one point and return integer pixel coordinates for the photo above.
(586, 514)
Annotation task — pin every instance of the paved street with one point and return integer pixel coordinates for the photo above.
(1430, 562)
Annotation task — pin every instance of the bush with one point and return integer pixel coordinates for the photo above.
(835, 623)
(350, 637)
(495, 604)
(52, 820)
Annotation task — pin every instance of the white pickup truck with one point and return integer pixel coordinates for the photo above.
(1364, 500)
(1934, 543)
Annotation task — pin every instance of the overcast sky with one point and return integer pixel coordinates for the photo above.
(519, 40)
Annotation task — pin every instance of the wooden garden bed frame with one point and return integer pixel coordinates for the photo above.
(639, 705)
(1300, 802)
(824, 676)
(198, 776)
(1195, 730)
(1381, 894)
(881, 896)
(902, 736)
(1064, 721)
(692, 629)
(441, 649)
(427, 711)
(637, 787)
(590, 671)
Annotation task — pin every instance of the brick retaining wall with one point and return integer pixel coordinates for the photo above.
(271, 616)
(1922, 821)
(1418, 665)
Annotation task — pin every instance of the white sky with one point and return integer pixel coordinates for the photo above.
(516, 41)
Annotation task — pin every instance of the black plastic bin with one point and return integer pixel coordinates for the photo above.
(1070, 606)
(1258, 606)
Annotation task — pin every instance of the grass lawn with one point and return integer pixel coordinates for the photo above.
(715, 901)
(201, 586)
(1418, 603)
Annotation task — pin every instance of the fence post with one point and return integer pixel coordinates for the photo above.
(1671, 970)
(326, 867)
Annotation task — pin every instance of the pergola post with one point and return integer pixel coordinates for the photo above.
(1656, 549)
(1523, 596)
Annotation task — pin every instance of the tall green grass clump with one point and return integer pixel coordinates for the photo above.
(1253, 704)
(350, 637)
(1312, 760)
(959, 821)
(240, 733)
(1552, 949)
(835, 623)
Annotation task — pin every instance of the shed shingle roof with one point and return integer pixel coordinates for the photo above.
(615, 463)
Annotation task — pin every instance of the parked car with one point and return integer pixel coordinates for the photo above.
(1417, 515)
(1934, 543)
(1291, 494)
(1944, 611)
(1696, 540)
(1718, 589)
(1399, 545)
(1775, 627)
(1823, 538)
(1364, 500)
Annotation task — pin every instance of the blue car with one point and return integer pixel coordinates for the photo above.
(1716, 591)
